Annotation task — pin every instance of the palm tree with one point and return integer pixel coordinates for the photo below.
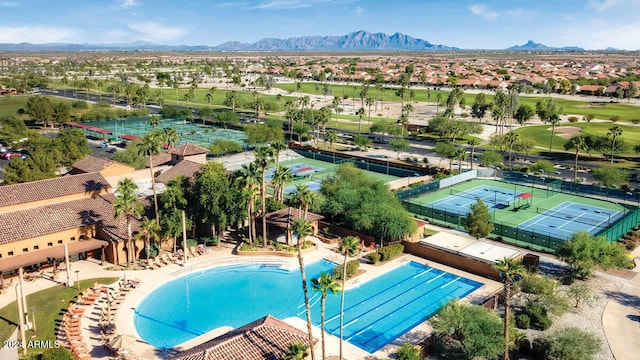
(554, 120)
(150, 232)
(370, 102)
(302, 228)
(332, 136)
(326, 283)
(264, 155)
(281, 176)
(150, 146)
(473, 142)
(614, 132)
(438, 100)
(509, 270)
(127, 205)
(576, 143)
(361, 113)
(511, 139)
(348, 246)
(171, 136)
(297, 351)
(251, 175)
(335, 103)
(402, 120)
(278, 147)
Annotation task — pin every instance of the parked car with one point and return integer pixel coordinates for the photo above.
(9, 155)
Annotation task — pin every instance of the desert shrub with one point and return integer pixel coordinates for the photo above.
(523, 321)
(635, 121)
(630, 243)
(389, 252)
(615, 118)
(537, 284)
(572, 119)
(56, 354)
(590, 117)
(408, 352)
(352, 267)
(524, 346)
(540, 348)
(538, 315)
(374, 257)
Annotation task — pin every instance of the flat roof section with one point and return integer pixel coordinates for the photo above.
(469, 247)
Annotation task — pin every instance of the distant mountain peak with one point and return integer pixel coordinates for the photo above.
(357, 40)
(531, 45)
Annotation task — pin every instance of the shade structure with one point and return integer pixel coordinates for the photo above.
(122, 341)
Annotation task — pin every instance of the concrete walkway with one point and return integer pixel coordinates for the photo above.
(621, 316)
(219, 256)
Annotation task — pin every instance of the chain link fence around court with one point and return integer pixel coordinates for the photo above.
(544, 241)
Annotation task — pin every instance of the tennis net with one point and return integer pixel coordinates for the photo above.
(603, 219)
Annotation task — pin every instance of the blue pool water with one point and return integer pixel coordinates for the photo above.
(376, 312)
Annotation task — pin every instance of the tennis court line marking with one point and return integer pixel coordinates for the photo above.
(563, 206)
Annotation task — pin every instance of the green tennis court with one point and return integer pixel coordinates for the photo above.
(544, 218)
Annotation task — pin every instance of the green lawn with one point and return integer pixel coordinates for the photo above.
(49, 304)
(10, 105)
(541, 135)
(602, 110)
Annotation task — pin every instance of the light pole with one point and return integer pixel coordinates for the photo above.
(78, 279)
(21, 319)
(33, 319)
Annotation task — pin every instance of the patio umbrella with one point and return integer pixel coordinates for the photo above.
(122, 341)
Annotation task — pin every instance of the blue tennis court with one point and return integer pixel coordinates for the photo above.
(460, 201)
(565, 219)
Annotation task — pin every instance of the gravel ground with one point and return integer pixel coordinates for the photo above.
(587, 317)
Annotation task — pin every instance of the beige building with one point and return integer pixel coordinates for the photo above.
(38, 218)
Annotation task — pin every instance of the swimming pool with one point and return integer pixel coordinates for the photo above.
(376, 312)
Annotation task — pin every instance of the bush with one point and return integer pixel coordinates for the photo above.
(389, 252)
(537, 284)
(374, 257)
(207, 241)
(538, 315)
(523, 321)
(57, 354)
(524, 346)
(352, 267)
(615, 118)
(572, 119)
(540, 348)
(408, 352)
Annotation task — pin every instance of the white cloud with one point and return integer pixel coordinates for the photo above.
(604, 5)
(297, 4)
(483, 12)
(37, 34)
(8, 4)
(359, 10)
(127, 3)
(152, 31)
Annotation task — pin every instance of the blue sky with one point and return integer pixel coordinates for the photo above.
(488, 24)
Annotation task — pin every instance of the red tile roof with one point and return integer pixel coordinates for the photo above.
(48, 219)
(162, 158)
(267, 338)
(51, 188)
(91, 163)
(188, 149)
(185, 167)
(283, 218)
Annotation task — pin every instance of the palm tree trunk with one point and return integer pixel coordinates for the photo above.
(306, 297)
(507, 293)
(264, 209)
(129, 243)
(322, 307)
(575, 167)
(153, 188)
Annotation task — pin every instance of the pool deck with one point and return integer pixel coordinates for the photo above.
(220, 256)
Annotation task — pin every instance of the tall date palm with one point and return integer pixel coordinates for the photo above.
(302, 228)
(325, 284)
(348, 246)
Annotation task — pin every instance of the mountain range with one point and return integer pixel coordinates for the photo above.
(355, 41)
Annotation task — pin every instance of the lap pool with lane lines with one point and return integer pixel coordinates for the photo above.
(376, 312)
